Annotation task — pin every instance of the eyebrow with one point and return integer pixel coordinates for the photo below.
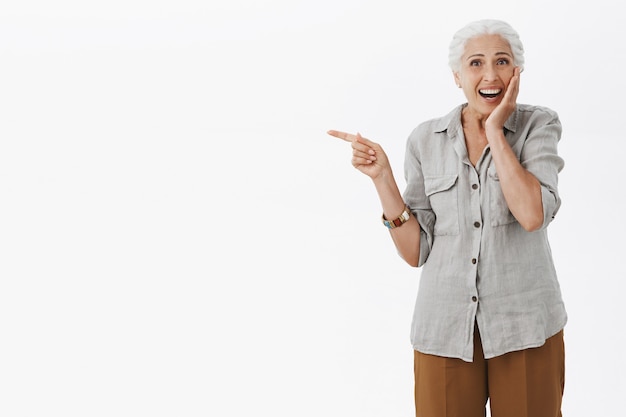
(482, 55)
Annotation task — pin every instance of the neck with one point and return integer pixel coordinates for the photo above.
(473, 119)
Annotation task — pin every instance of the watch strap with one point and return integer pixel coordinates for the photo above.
(399, 221)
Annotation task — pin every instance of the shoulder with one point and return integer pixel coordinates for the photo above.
(530, 119)
(534, 112)
(435, 127)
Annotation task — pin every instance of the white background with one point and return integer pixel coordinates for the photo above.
(179, 236)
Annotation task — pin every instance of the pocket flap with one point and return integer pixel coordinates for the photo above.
(439, 183)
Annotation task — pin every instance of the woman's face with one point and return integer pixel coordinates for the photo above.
(486, 69)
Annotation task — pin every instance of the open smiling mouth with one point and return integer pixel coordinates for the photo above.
(491, 93)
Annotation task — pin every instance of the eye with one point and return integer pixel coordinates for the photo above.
(475, 63)
(503, 61)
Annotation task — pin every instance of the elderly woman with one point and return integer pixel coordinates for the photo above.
(481, 189)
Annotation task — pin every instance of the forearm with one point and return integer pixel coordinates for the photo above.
(521, 189)
(406, 237)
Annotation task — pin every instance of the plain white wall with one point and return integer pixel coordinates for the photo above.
(179, 236)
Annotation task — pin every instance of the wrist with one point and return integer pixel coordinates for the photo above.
(383, 179)
(398, 221)
(492, 126)
(494, 133)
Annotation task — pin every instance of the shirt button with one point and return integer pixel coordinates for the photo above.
(474, 298)
(474, 261)
(474, 186)
(476, 224)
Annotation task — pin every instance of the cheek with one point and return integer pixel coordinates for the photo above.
(507, 74)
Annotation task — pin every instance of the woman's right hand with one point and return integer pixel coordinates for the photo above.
(367, 156)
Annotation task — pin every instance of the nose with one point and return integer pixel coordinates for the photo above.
(490, 73)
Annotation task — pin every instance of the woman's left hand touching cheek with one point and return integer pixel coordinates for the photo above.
(507, 106)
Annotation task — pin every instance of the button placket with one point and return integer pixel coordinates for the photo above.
(476, 214)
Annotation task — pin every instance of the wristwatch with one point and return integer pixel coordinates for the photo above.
(403, 218)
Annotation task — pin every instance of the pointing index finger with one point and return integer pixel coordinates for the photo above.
(342, 135)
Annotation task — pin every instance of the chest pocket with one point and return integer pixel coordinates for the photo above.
(443, 195)
(500, 213)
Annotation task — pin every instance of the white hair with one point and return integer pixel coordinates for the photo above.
(485, 27)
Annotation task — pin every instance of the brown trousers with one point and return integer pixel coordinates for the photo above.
(527, 383)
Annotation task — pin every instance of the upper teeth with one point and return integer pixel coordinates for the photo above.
(490, 91)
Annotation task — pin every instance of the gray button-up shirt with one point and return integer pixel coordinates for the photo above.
(478, 263)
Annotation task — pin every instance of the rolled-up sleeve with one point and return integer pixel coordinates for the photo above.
(415, 197)
(540, 157)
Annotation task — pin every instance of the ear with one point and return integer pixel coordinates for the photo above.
(457, 79)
